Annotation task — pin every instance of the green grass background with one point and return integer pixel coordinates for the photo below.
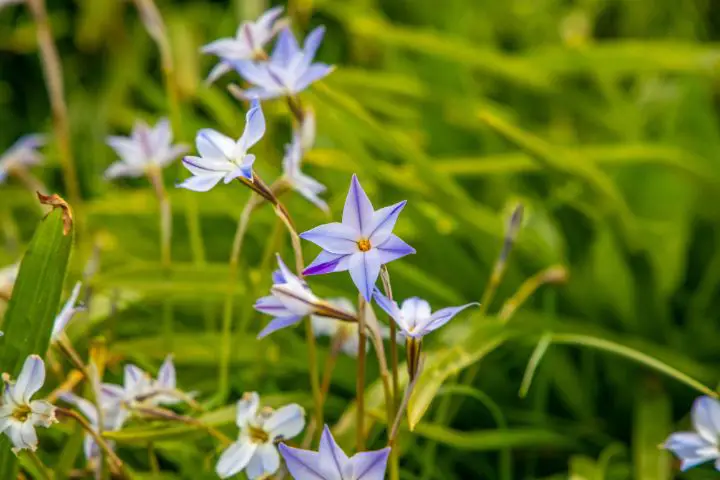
(600, 116)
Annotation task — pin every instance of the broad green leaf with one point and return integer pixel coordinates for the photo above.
(33, 306)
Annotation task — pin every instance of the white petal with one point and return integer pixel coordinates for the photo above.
(30, 380)
(214, 145)
(43, 413)
(295, 298)
(247, 408)
(124, 169)
(269, 457)
(201, 183)
(235, 458)
(416, 312)
(286, 422)
(23, 436)
(167, 377)
(706, 418)
(67, 312)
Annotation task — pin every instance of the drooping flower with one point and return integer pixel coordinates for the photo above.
(255, 450)
(362, 243)
(69, 310)
(22, 154)
(248, 44)
(19, 414)
(415, 320)
(139, 389)
(291, 299)
(111, 416)
(222, 158)
(702, 445)
(415, 317)
(345, 333)
(303, 184)
(331, 463)
(147, 147)
(289, 71)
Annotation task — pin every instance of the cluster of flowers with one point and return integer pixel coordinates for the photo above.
(362, 243)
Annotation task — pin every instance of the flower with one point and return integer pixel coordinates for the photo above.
(8, 275)
(248, 43)
(140, 389)
(298, 181)
(146, 148)
(291, 299)
(23, 153)
(361, 243)
(111, 415)
(415, 318)
(345, 333)
(330, 462)
(288, 71)
(66, 314)
(19, 415)
(222, 158)
(255, 450)
(702, 445)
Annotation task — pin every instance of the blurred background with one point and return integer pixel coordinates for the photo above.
(599, 116)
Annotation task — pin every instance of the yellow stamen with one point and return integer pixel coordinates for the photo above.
(364, 245)
(21, 413)
(258, 435)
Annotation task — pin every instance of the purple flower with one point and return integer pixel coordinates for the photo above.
(415, 318)
(221, 157)
(289, 71)
(290, 300)
(248, 43)
(306, 186)
(147, 147)
(331, 463)
(22, 154)
(361, 243)
(702, 445)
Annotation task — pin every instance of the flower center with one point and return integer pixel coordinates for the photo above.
(258, 435)
(364, 244)
(21, 413)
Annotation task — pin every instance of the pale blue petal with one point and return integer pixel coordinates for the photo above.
(127, 149)
(285, 48)
(271, 305)
(313, 73)
(333, 237)
(254, 127)
(302, 464)
(255, 73)
(167, 377)
(370, 465)
(217, 71)
(269, 458)
(278, 324)
(327, 262)
(444, 315)
(124, 169)
(228, 48)
(267, 19)
(30, 380)
(262, 93)
(201, 183)
(285, 272)
(204, 166)
(358, 211)
(384, 221)
(312, 43)
(706, 418)
(334, 459)
(214, 145)
(364, 270)
(286, 422)
(235, 458)
(86, 407)
(390, 306)
(691, 448)
(392, 249)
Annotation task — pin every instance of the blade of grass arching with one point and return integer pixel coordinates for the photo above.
(559, 161)
(651, 424)
(34, 304)
(484, 440)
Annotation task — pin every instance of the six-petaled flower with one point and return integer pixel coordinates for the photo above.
(288, 71)
(260, 429)
(22, 154)
(146, 148)
(221, 157)
(248, 44)
(362, 243)
(331, 463)
(19, 414)
(702, 445)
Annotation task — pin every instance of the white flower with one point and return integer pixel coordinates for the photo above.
(146, 148)
(140, 389)
(221, 157)
(22, 154)
(19, 415)
(68, 311)
(248, 43)
(255, 451)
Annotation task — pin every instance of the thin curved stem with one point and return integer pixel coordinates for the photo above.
(360, 381)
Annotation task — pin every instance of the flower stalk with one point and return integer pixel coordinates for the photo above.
(360, 389)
